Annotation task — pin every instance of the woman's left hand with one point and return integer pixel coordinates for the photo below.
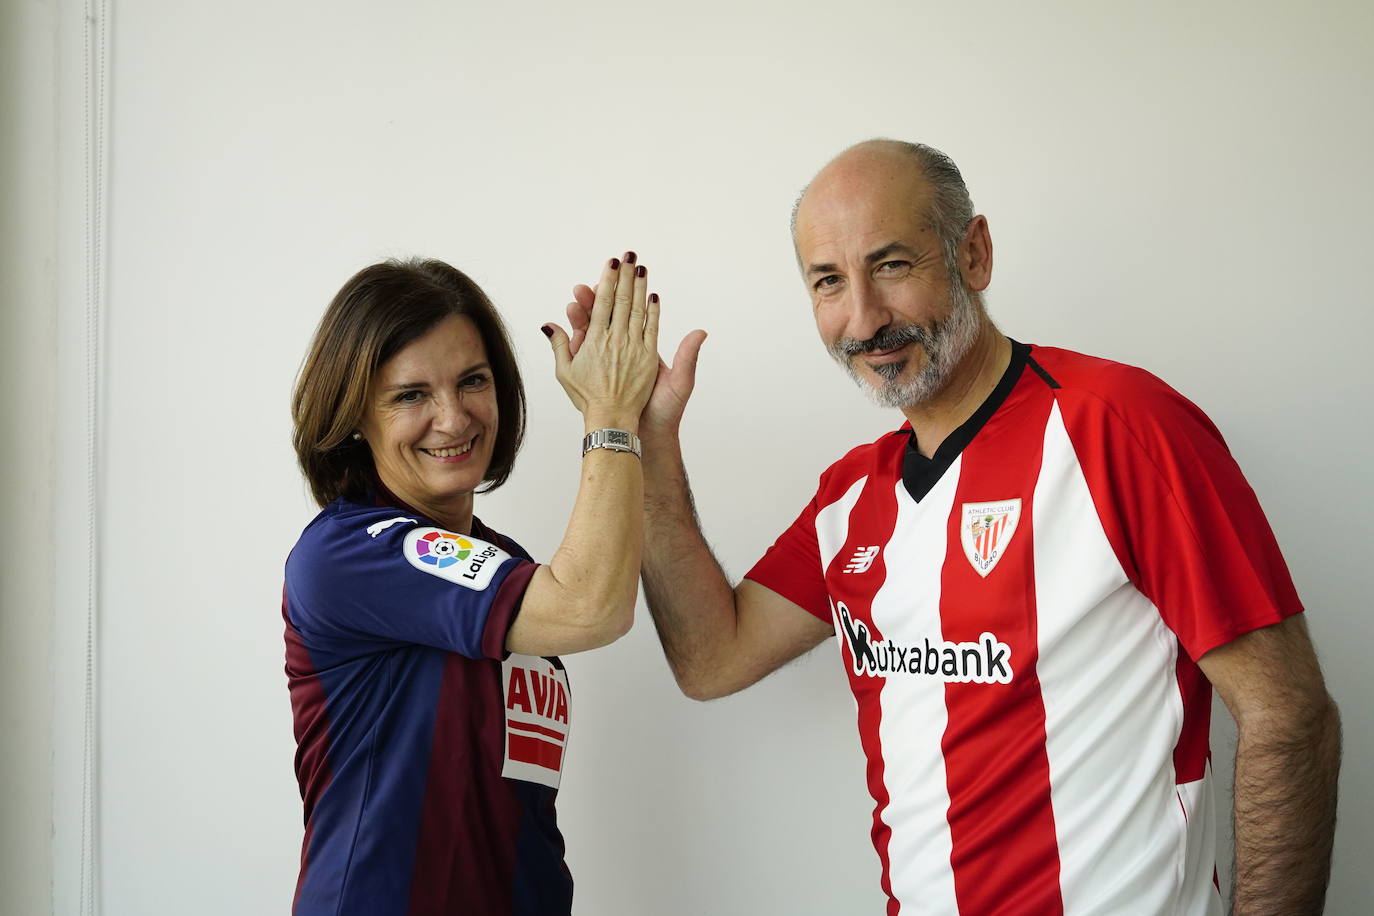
(611, 375)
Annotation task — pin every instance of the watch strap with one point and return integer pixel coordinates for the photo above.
(619, 440)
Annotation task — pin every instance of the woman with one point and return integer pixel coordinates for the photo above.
(431, 710)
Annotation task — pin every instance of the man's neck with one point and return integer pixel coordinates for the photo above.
(969, 386)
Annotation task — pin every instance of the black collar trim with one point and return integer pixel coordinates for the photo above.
(1040, 371)
(919, 473)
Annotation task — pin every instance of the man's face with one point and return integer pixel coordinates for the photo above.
(887, 305)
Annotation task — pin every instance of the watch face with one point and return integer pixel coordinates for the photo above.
(619, 440)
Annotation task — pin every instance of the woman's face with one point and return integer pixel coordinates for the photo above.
(431, 418)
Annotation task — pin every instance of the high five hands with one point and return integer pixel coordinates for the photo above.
(609, 368)
(673, 384)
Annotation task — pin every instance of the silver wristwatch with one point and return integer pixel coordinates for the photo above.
(620, 440)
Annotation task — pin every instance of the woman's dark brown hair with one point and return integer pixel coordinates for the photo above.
(376, 314)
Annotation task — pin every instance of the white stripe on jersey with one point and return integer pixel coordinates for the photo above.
(1113, 712)
(1199, 893)
(906, 609)
(832, 525)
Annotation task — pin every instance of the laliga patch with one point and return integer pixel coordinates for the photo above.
(536, 719)
(465, 561)
(986, 529)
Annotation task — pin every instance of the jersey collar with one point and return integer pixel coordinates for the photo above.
(919, 473)
(382, 496)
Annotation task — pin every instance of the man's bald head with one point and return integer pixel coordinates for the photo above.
(949, 209)
(895, 262)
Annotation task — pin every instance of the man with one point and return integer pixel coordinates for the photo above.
(1034, 584)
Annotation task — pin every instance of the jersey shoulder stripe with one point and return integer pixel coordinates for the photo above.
(882, 456)
(1207, 558)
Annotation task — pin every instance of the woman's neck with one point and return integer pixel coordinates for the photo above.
(453, 514)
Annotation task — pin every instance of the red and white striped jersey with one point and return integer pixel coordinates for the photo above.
(1019, 618)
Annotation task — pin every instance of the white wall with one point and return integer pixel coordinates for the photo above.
(28, 381)
(1178, 187)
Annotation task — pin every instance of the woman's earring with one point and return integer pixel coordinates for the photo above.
(357, 436)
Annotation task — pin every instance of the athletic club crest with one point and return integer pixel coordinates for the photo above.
(986, 530)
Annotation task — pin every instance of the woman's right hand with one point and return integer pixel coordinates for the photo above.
(611, 375)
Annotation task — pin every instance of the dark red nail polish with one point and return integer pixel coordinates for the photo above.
(653, 297)
(615, 263)
(631, 257)
(548, 331)
(641, 271)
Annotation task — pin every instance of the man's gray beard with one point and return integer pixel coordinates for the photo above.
(946, 344)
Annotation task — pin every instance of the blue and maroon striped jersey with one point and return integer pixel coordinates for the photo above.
(428, 757)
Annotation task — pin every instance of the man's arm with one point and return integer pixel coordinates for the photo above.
(717, 640)
(1287, 759)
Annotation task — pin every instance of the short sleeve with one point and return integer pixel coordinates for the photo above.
(792, 566)
(1184, 523)
(363, 581)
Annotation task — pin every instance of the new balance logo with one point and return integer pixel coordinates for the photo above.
(862, 559)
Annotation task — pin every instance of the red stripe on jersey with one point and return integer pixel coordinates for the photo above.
(456, 809)
(538, 729)
(310, 723)
(536, 751)
(1207, 558)
(996, 765)
(871, 521)
(1193, 749)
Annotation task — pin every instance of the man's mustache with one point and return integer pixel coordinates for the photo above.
(887, 338)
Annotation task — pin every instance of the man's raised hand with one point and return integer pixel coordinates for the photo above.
(674, 384)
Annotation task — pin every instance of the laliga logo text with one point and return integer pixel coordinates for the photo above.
(442, 549)
(987, 661)
(467, 561)
(479, 560)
